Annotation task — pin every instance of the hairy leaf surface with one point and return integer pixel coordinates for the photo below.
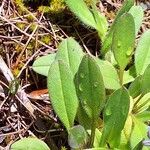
(62, 92)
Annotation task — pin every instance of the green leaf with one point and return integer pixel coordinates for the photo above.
(127, 77)
(98, 148)
(91, 91)
(42, 64)
(71, 53)
(101, 23)
(77, 137)
(90, 17)
(135, 87)
(142, 53)
(90, 86)
(109, 56)
(29, 143)
(126, 133)
(128, 127)
(137, 13)
(115, 115)
(62, 92)
(121, 45)
(143, 116)
(97, 138)
(109, 73)
(80, 9)
(84, 115)
(144, 103)
(146, 81)
(139, 146)
(108, 39)
(139, 132)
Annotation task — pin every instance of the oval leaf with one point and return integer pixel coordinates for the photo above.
(109, 73)
(77, 137)
(108, 39)
(137, 13)
(90, 86)
(121, 45)
(42, 64)
(62, 92)
(142, 53)
(29, 143)
(115, 115)
(71, 53)
(80, 9)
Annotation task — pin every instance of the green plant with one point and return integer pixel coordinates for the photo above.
(30, 143)
(82, 87)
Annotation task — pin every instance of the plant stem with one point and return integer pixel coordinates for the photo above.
(121, 72)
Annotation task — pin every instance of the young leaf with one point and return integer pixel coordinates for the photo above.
(137, 13)
(71, 53)
(62, 92)
(115, 115)
(122, 46)
(142, 53)
(108, 39)
(42, 64)
(77, 137)
(29, 143)
(80, 9)
(109, 73)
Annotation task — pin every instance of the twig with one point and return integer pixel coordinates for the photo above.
(3, 18)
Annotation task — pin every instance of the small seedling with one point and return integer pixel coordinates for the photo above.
(109, 102)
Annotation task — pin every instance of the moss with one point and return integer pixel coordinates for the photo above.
(22, 10)
(32, 27)
(46, 39)
(57, 5)
(21, 25)
(53, 6)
